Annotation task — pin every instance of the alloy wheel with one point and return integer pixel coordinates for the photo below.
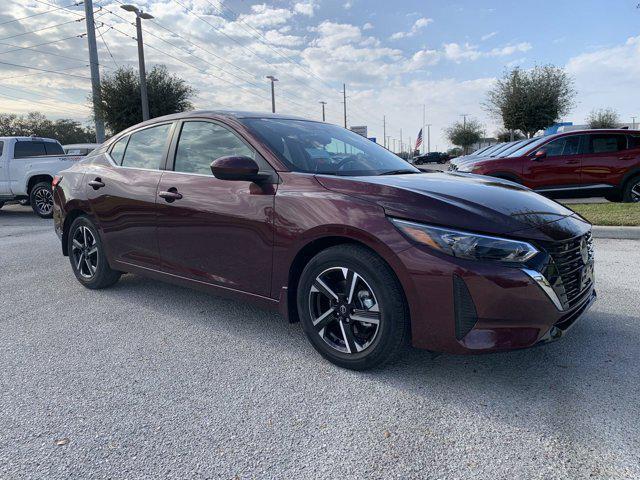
(84, 249)
(635, 192)
(344, 310)
(44, 201)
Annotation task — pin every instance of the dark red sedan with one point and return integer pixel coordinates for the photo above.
(330, 229)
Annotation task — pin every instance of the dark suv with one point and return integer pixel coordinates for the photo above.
(577, 163)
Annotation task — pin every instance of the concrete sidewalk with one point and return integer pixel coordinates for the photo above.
(620, 233)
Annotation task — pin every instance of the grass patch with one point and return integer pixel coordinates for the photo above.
(613, 214)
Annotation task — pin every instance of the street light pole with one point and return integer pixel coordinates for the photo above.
(344, 101)
(143, 76)
(428, 138)
(323, 104)
(273, 93)
(633, 125)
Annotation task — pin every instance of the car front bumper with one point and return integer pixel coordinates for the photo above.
(460, 306)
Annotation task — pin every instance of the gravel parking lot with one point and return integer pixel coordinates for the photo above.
(150, 380)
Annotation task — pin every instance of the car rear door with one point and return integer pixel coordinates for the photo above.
(4, 170)
(559, 168)
(218, 231)
(122, 193)
(607, 159)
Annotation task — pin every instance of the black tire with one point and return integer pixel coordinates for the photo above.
(371, 345)
(94, 273)
(41, 199)
(631, 192)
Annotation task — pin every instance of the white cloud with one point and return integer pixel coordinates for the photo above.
(347, 5)
(418, 25)
(510, 49)
(486, 37)
(263, 15)
(459, 52)
(367, 26)
(305, 8)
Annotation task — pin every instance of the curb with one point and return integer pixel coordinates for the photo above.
(618, 233)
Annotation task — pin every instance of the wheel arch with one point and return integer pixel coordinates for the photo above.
(35, 179)
(311, 249)
(68, 220)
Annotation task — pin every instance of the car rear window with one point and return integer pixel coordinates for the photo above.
(634, 141)
(26, 148)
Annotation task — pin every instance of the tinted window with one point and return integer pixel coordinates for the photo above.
(634, 141)
(117, 151)
(202, 142)
(315, 147)
(1, 148)
(53, 148)
(605, 143)
(28, 149)
(146, 148)
(563, 146)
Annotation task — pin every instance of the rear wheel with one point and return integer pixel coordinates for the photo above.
(352, 307)
(631, 192)
(87, 256)
(41, 199)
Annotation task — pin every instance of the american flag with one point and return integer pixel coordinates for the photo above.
(418, 140)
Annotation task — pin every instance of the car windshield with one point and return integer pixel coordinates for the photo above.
(516, 146)
(491, 149)
(314, 147)
(525, 148)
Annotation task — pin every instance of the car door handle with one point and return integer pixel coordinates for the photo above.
(96, 184)
(170, 195)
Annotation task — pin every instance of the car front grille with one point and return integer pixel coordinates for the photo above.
(570, 271)
(453, 167)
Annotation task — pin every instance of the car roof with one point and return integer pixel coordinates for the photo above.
(29, 139)
(82, 145)
(235, 114)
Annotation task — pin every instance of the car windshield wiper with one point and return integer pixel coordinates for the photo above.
(399, 172)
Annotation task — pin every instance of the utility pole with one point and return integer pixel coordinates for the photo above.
(400, 140)
(344, 101)
(424, 123)
(323, 104)
(95, 69)
(633, 127)
(384, 130)
(428, 138)
(388, 142)
(273, 93)
(143, 76)
(394, 145)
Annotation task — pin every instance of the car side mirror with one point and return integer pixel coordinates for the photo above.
(237, 168)
(540, 155)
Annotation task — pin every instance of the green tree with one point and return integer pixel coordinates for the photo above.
(603, 118)
(121, 106)
(505, 135)
(35, 123)
(465, 134)
(531, 100)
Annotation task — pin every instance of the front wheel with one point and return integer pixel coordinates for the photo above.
(41, 199)
(352, 307)
(631, 192)
(86, 254)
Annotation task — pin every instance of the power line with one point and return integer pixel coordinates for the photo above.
(40, 13)
(43, 70)
(41, 29)
(40, 44)
(34, 74)
(83, 60)
(107, 47)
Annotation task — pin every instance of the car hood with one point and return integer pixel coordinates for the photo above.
(464, 201)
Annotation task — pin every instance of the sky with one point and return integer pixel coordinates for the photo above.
(394, 57)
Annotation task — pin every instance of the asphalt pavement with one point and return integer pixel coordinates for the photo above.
(149, 380)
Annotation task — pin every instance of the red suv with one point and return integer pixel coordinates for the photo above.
(577, 163)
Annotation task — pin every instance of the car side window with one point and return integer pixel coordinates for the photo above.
(117, 151)
(634, 141)
(201, 143)
(563, 146)
(53, 148)
(607, 143)
(24, 149)
(146, 148)
(1, 148)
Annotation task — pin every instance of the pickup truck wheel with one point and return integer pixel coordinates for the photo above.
(632, 191)
(41, 200)
(86, 254)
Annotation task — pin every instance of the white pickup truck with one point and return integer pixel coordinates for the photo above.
(27, 167)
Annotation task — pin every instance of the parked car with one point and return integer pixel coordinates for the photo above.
(27, 167)
(579, 163)
(431, 157)
(81, 149)
(361, 247)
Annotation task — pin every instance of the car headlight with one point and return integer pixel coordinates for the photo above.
(467, 245)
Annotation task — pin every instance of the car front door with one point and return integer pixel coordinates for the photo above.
(217, 231)
(555, 165)
(607, 159)
(122, 193)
